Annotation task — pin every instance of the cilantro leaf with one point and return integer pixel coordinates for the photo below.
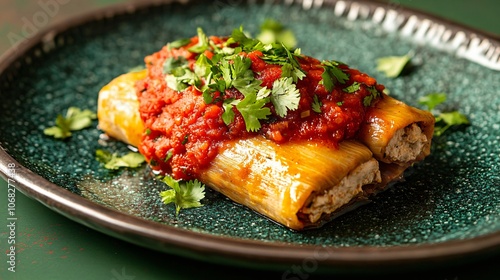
(184, 194)
(284, 96)
(178, 75)
(228, 115)
(240, 66)
(431, 100)
(296, 72)
(174, 83)
(263, 93)
(181, 78)
(172, 63)
(203, 66)
(281, 55)
(203, 42)
(374, 93)
(75, 119)
(60, 130)
(168, 197)
(449, 119)
(247, 85)
(114, 162)
(287, 70)
(352, 88)
(179, 43)
(453, 118)
(241, 76)
(392, 66)
(253, 110)
(79, 119)
(332, 74)
(316, 105)
(246, 42)
(444, 120)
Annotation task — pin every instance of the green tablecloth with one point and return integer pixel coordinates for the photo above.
(50, 246)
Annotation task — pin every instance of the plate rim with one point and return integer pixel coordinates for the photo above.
(220, 248)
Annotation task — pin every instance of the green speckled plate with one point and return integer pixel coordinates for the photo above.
(448, 208)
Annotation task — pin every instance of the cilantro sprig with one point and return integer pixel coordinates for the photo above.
(113, 161)
(74, 120)
(374, 94)
(203, 42)
(432, 100)
(238, 74)
(393, 66)
(285, 96)
(178, 75)
(253, 110)
(332, 74)
(444, 120)
(184, 194)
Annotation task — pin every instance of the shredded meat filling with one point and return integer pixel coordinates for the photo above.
(335, 197)
(406, 145)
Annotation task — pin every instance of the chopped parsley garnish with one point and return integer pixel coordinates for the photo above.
(75, 119)
(444, 120)
(228, 69)
(184, 194)
(113, 162)
(393, 66)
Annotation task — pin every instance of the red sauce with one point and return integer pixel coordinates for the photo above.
(183, 133)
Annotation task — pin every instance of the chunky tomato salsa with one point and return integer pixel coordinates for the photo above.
(203, 92)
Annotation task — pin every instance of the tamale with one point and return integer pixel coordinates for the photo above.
(296, 184)
(296, 139)
(396, 132)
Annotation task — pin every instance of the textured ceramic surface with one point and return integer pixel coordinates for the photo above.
(447, 204)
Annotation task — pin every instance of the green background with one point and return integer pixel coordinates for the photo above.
(50, 246)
